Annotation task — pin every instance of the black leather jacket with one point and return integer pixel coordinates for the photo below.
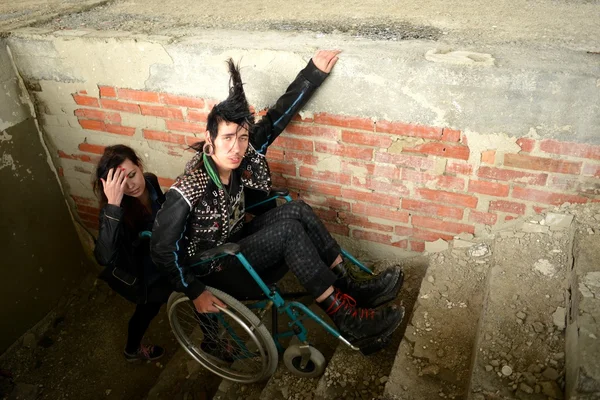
(195, 216)
(118, 244)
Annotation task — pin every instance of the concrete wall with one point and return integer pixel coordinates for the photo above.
(41, 253)
(406, 143)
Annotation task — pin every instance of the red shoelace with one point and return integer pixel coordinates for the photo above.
(348, 303)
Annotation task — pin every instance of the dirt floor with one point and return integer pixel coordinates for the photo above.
(81, 355)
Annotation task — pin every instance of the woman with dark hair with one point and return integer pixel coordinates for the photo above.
(205, 208)
(129, 200)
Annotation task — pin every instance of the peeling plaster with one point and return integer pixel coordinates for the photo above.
(479, 143)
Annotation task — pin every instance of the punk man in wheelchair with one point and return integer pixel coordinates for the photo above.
(205, 208)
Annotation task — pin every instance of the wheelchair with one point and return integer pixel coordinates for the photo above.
(235, 343)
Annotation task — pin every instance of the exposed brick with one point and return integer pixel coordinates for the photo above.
(191, 140)
(489, 188)
(92, 125)
(343, 150)
(401, 230)
(365, 124)
(92, 148)
(526, 144)
(283, 168)
(299, 118)
(392, 201)
(304, 158)
(398, 128)
(108, 117)
(107, 91)
(462, 168)
(161, 111)
(61, 171)
(378, 237)
(366, 139)
(440, 181)
(88, 217)
(165, 182)
(323, 201)
(440, 149)
(120, 106)
(430, 236)
(88, 210)
(542, 164)
(564, 183)
(163, 136)
(440, 225)
(197, 116)
(335, 177)
(432, 209)
(570, 149)
(386, 171)
(182, 101)
(84, 201)
(380, 212)
(138, 95)
(546, 197)
(417, 246)
(326, 215)
(294, 143)
(488, 157)
(450, 135)
(120, 130)
(79, 157)
(464, 200)
(404, 160)
(180, 126)
(482, 217)
(380, 186)
(591, 170)
(82, 92)
(539, 210)
(363, 222)
(274, 154)
(313, 131)
(512, 176)
(86, 100)
(314, 187)
(337, 228)
(509, 218)
(507, 206)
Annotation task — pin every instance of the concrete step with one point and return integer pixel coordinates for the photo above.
(434, 357)
(350, 374)
(583, 315)
(520, 349)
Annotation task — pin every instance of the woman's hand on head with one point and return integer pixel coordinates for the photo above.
(205, 303)
(114, 185)
(324, 60)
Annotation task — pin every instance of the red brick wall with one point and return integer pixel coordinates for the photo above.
(412, 194)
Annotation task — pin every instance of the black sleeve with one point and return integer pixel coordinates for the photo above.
(165, 246)
(110, 235)
(294, 98)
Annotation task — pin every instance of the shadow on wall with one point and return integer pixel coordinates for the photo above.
(42, 256)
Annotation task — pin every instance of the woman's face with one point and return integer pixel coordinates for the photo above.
(230, 145)
(136, 184)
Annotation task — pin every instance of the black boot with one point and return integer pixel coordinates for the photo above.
(361, 326)
(371, 292)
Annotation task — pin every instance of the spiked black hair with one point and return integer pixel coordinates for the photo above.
(234, 108)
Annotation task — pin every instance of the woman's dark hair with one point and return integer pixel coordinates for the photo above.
(112, 157)
(234, 108)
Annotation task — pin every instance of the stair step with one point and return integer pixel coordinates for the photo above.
(583, 315)
(434, 358)
(520, 351)
(350, 374)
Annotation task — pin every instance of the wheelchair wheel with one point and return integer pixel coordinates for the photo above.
(315, 366)
(233, 343)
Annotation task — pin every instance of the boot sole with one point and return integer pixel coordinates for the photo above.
(371, 344)
(389, 296)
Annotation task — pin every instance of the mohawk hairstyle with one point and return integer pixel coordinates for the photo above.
(234, 108)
